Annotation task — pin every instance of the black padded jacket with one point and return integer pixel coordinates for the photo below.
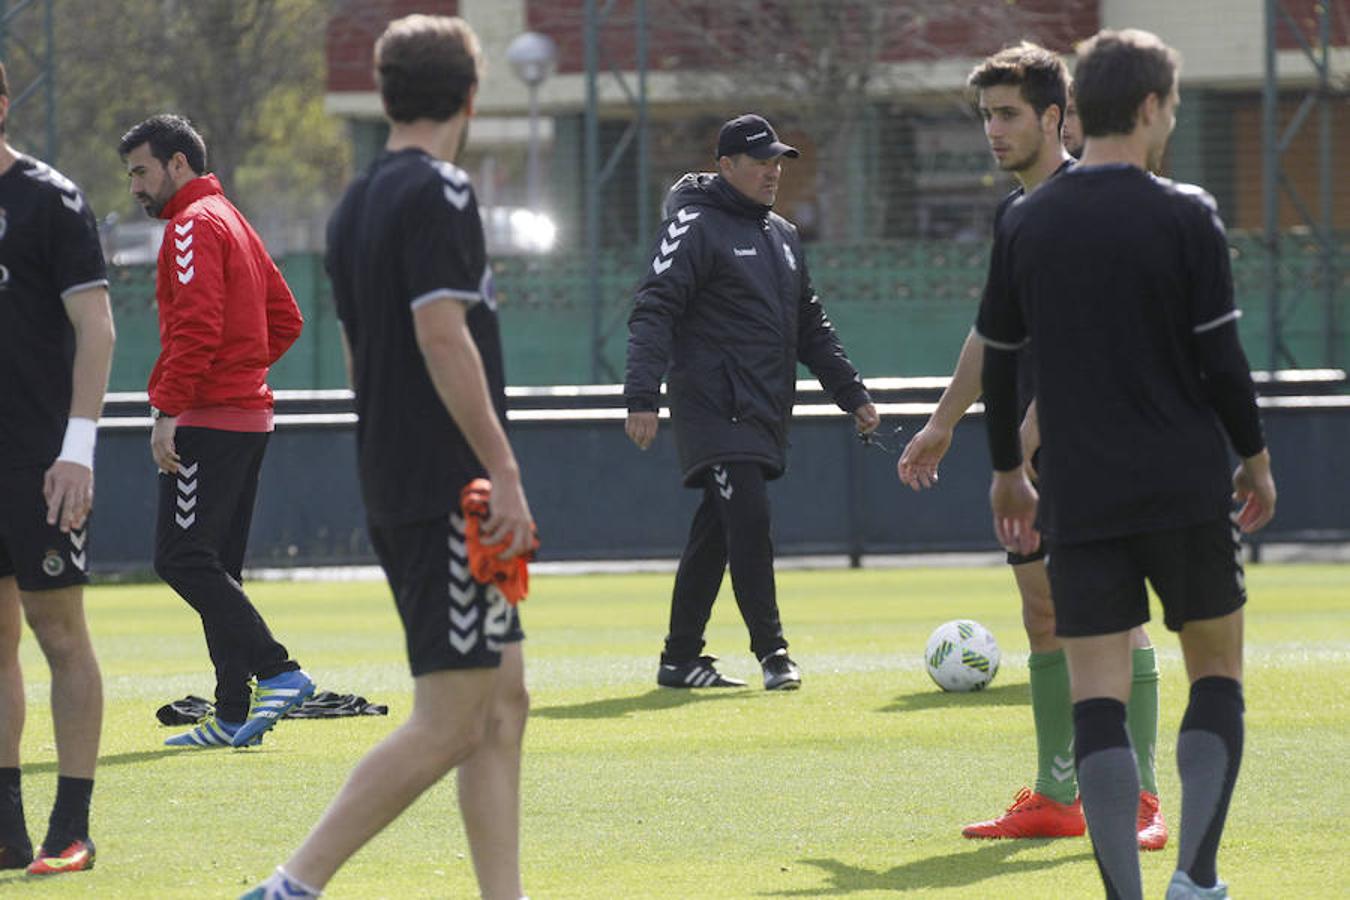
(725, 311)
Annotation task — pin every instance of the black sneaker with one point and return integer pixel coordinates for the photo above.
(15, 854)
(698, 673)
(780, 672)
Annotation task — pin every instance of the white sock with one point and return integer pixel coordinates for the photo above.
(282, 886)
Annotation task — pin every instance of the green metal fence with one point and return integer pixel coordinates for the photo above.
(902, 309)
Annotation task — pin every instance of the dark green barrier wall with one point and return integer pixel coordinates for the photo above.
(838, 496)
(314, 362)
(902, 308)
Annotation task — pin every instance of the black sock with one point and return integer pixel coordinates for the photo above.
(70, 814)
(13, 829)
(1209, 754)
(1108, 781)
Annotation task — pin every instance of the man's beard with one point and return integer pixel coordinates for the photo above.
(1021, 165)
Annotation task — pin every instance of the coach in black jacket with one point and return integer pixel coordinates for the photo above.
(728, 309)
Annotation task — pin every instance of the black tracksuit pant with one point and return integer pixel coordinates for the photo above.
(200, 537)
(730, 526)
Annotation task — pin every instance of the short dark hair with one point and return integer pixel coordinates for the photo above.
(425, 67)
(1116, 71)
(167, 134)
(1041, 75)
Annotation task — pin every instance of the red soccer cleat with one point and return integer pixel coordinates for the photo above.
(1152, 828)
(75, 858)
(1032, 816)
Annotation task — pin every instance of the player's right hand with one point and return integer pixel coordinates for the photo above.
(1254, 488)
(162, 447)
(68, 488)
(918, 465)
(1014, 500)
(641, 428)
(508, 518)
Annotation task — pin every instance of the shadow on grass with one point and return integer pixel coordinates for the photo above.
(112, 759)
(16, 878)
(953, 870)
(622, 707)
(1003, 695)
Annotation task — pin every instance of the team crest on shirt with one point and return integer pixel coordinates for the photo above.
(52, 564)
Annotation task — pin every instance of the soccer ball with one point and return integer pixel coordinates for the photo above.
(962, 656)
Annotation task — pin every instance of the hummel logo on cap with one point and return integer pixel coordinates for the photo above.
(754, 135)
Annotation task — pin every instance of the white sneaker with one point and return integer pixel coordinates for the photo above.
(1182, 888)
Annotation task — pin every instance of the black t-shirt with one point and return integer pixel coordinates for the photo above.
(1111, 274)
(407, 232)
(48, 249)
(1026, 379)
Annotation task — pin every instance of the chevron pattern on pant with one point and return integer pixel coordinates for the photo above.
(186, 484)
(723, 479)
(466, 625)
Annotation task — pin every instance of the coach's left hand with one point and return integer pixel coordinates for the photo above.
(161, 444)
(867, 418)
(68, 488)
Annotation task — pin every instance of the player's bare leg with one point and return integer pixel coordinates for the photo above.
(1049, 808)
(12, 706)
(1213, 647)
(445, 728)
(57, 620)
(1038, 609)
(489, 784)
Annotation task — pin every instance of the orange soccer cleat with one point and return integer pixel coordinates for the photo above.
(1152, 828)
(1032, 815)
(75, 858)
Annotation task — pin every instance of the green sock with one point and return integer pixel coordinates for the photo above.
(1141, 714)
(1053, 712)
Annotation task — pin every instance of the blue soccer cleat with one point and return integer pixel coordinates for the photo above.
(211, 732)
(272, 699)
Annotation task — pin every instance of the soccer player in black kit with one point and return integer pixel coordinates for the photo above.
(1020, 92)
(56, 343)
(414, 294)
(1120, 281)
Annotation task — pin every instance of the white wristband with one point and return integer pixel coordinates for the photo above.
(78, 447)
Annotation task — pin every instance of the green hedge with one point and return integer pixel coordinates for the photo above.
(902, 309)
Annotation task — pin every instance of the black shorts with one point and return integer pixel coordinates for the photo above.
(1099, 587)
(38, 554)
(450, 621)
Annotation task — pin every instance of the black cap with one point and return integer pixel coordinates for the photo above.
(754, 135)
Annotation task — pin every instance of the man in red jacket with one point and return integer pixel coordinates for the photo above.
(225, 316)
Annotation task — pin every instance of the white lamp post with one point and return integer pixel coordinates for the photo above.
(533, 56)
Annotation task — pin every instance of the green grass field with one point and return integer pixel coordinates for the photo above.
(853, 787)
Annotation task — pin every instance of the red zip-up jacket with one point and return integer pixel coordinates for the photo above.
(225, 313)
